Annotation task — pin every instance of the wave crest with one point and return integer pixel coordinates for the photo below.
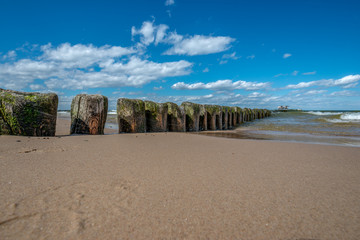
(324, 113)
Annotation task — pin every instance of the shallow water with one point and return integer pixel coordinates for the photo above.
(322, 127)
(319, 127)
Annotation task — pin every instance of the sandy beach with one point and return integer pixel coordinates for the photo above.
(176, 186)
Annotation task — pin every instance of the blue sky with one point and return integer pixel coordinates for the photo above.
(262, 54)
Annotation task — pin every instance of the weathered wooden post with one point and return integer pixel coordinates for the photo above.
(192, 112)
(131, 115)
(203, 119)
(234, 116)
(156, 116)
(213, 116)
(175, 118)
(88, 114)
(27, 114)
(245, 114)
(240, 118)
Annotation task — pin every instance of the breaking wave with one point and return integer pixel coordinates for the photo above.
(347, 118)
(324, 113)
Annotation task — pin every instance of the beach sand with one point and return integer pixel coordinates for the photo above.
(176, 186)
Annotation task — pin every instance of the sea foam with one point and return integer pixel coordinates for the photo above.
(324, 113)
(347, 118)
(351, 116)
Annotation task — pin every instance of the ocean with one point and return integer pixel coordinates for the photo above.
(317, 127)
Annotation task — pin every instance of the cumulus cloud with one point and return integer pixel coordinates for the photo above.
(286, 55)
(221, 85)
(181, 45)
(350, 79)
(72, 67)
(200, 45)
(146, 31)
(82, 56)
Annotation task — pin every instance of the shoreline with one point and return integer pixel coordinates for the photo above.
(176, 185)
(239, 132)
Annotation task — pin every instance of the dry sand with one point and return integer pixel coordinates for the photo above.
(176, 186)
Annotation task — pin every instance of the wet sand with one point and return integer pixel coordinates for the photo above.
(176, 186)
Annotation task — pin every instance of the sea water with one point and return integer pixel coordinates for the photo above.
(323, 127)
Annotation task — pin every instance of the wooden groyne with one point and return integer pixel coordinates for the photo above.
(188, 117)
(34, 114)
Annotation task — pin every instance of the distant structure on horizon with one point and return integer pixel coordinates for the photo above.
(283, 107)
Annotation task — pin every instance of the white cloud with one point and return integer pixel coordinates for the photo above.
(36, 87)
(161, 33)
(83, 56)
(206, 70)
(314, 92)
(350, 79)
(147, 31)
(169, 2)
(158, 88)
(9, 55)
(294, 73)
(352, 85)
(286, 55)
(200, 45)
(309, 73)
(230, 56)
(221, 85)
(72, 67)
(250, 57)
(344, 93)
(281, 74)
(181, 45)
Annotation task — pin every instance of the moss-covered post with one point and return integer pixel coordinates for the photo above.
(175, 118)
(156, 116)
(192, 113)
(234, 116)
(203, 119)
(213, 116)
(224, 118)
(256, 113)
(246, 114)
(239, 118)
(131, 115)
(28, 114)
(88, 114)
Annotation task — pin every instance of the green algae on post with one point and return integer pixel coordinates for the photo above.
(28, 114)
(156, 116)
(131, 115)
(175, 118)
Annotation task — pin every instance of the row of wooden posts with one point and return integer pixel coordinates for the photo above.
(35, 114)
(89, 112)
